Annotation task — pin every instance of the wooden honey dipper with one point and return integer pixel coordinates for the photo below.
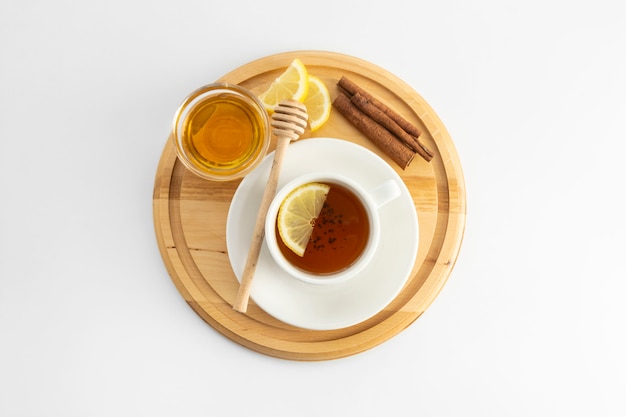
(289, 120)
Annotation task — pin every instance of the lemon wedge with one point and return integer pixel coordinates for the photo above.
(317, 103)
(297, 214)
(293, 84)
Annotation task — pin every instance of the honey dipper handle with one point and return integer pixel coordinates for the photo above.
(241, 302)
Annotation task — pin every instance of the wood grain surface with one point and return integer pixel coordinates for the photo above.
(190, 220)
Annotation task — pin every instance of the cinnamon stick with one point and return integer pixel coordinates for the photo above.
(352, 89)
(369, 108)
(380, 136)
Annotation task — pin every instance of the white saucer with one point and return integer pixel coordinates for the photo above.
(326, 307)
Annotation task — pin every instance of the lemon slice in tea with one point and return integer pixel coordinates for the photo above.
(297, 214)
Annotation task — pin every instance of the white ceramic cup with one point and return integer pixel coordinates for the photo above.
(372, 199)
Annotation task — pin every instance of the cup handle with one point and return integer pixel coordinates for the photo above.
(385, 192)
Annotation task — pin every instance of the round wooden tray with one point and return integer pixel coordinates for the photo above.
(190, 220)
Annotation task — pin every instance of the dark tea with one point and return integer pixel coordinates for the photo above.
(340, 235)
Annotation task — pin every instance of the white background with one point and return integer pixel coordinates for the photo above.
(532, 319)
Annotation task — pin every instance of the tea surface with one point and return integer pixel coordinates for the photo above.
(339, 236)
